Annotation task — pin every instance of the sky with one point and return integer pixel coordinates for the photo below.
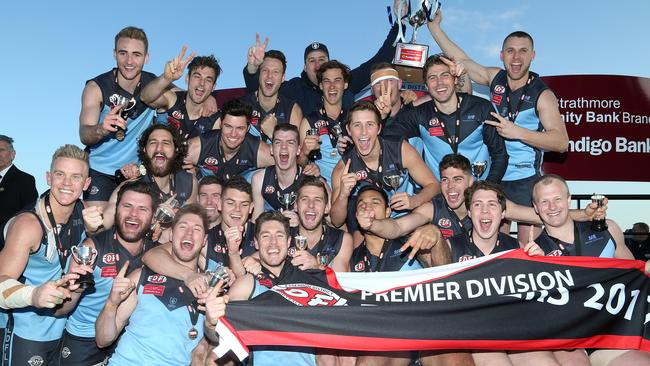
(52, 47)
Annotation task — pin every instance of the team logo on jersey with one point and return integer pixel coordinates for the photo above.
(496, 99)
(499, 89)
(177, 114)
(361, 174)
(65, 352)
(157, 279)
(269, 189)
(590, 238)
(173, 122)
(256, 113)
(35, 361)
(254, 121)
(94, 190)
(465, 257)
(219, 248)
(291, 252)
(555, 253)
(444, 222)
(434, 122)
(321, 123)
(110, 258)
(303, 294)
(210, 160)
(360, 267)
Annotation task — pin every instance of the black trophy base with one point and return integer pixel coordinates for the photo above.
(599, 225)
(86, 281)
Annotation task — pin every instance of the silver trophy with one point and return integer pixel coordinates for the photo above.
(313, 155)
(301, 242)
(337, 131)
(287, 200)
(598, 224)
(163, 215)
(219, 273)
(393, 181)
(478, 168)
(85, 256)
(323, 259)
(127, 104)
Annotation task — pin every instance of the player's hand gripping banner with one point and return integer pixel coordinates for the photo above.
(507, 301)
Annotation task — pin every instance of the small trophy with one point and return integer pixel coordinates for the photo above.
(478, 168)
(163, 216)
(219, 273)
(323, 259)
(337, 132)
(314, 154)
(301, 242)
(412, 54)
(393, 181)
(119, 176)
(85, 256)
(599, 224)
(287, 200)
(126, 104)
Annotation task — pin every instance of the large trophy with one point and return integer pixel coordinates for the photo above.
(478, 168)
(85, 256)
(599, 224)
(410, 53)
(126, 104)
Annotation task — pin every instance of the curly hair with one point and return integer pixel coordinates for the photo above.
(180, 145)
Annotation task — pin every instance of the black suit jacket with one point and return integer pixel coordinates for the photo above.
(17, 190)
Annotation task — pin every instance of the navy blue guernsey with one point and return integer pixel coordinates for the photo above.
(217, 251)
(271, 191)
(109, 154)
(329, 244)
(390, 258)
(181, 184)
(213, 162)
(521, 106)
(587, 242)
(477, 141)
(282, 110)
(178, 118)
(446, 219)
(464, 249)
(328, 156)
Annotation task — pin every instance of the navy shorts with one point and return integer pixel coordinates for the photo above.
(20, 351)
(80, 351)
(101, 186)
(520, 191)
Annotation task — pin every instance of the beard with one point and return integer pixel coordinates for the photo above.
(129, 237)
(156, 170)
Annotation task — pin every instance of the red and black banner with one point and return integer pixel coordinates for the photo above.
(508, 301)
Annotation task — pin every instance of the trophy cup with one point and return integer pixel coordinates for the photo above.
(323, 259)
(163, 216)
(119, 176)
(85, 256)
(478, 168)
(412, 54)
(337, 132)
(314, 154)
(219, 273)
(287, 200)
(301, 242)
(393, 181)
(126, 104)
(599, 224)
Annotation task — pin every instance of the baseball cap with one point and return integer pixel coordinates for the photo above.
(316, 46)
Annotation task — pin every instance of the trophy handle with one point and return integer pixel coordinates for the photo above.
(93, 251)
(75, 254)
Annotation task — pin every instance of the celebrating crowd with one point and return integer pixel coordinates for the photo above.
(188, 204)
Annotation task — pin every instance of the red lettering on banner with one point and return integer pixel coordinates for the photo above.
(157, 290)
(410, 55)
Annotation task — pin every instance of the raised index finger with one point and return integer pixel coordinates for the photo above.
(122, 272)
(447, 61)
(346, 169)
(531, 234)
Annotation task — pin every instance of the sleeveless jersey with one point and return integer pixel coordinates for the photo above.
(329, 244)
(328, 156)
(111, 256)
(391, 258)
(178, 118)
(525, 160)
(464, 249)
(271, 191)
(217, 251)
(476, 141)
(282, 109)
(587, 242)
(157, 332)
(109, 154)
(446, 219)
(181, 184)
(41, 325)
(213, 162)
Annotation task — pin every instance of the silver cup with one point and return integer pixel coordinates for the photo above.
(323, 259)
(393, 181)
(313, 132)
(127, 104)
(301, 242)
(421, 17)
(85, 256)
(288, 199)
(478, 168)
(337, 131)
(219, 273)
(599, 224)
(163, 215)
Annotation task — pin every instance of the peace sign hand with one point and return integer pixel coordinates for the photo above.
(256, 53)
(456, 68)
(174, 69)
(383, 102)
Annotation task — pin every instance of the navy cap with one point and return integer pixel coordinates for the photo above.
(316, 46)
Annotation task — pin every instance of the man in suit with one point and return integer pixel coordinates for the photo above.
(17, 188)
